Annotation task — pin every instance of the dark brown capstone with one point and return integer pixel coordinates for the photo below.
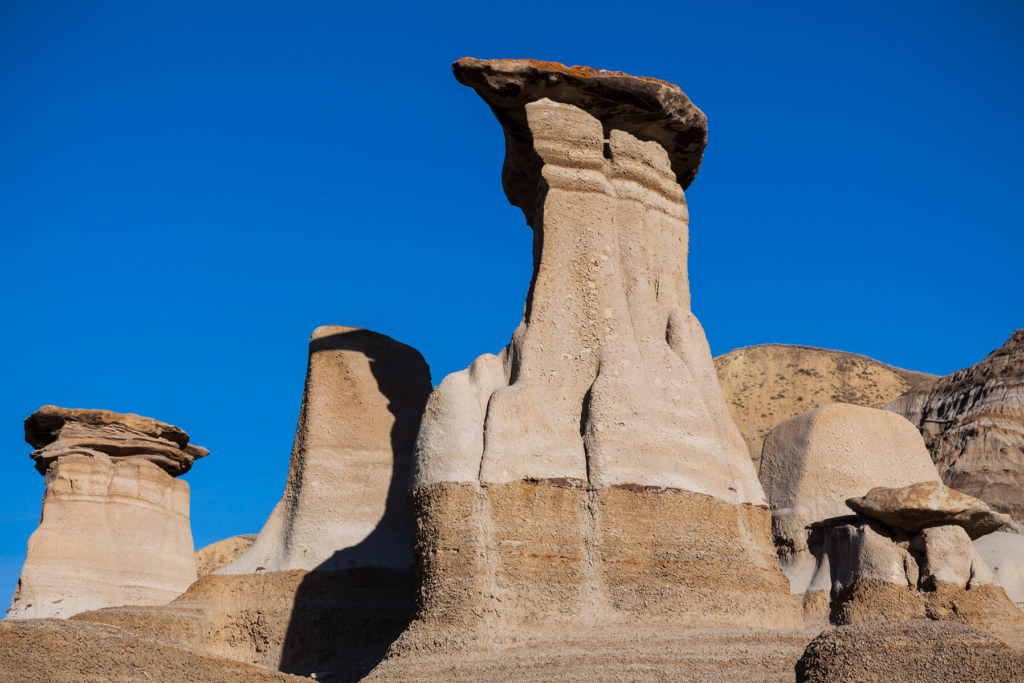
(646, 108)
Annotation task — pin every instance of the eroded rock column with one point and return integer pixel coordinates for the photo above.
(115, 525)
(590, 472)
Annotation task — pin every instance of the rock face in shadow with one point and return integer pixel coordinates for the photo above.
(115, 525)
(589, 474)
(908, 652)
(216, 555)
(328, 584)
(973, 424)
(344, 501)
(766, 385)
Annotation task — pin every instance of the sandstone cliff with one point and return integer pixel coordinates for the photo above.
(973, 423)
(766, 385)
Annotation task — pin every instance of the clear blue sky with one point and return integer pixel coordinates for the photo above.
(187, 189)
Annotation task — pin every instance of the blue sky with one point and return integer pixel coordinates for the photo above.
(187, 189)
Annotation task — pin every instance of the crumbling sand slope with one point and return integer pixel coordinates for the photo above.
(79, 652)
(766, 385)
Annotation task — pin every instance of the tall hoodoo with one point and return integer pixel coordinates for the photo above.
(115, 524)
(590, 473)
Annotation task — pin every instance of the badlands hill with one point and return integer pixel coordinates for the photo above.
(766, 385)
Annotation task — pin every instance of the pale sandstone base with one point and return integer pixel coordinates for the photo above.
(112, 532)
(506, 563)
(296, 621)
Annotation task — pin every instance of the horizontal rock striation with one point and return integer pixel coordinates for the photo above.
(973, 424)
(55, 432)
(589, 475)
(112, 532)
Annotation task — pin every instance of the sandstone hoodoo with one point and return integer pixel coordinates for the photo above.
(590, 474)
(927, 504)
(907, 554)
(973, 424)
(115, 525)
(327, 585)
(766, 385)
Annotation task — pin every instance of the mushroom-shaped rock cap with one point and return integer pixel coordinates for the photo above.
(927, 504)
(646, 108)
(54, 432)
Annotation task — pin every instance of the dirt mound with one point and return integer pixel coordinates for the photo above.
(80, 652)
(766, 385)
(908, 652)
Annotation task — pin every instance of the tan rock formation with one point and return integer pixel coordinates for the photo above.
(55, 432)
(73, 652)
(766, 385)
(115, 523)
(814, 462)
(908, 652)
(328, 583)
(929, 503)
(344, 502)
(589, 475)
(214, 556)
(973, 424)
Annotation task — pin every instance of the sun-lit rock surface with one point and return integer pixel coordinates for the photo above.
(973, 424)
(115, 525)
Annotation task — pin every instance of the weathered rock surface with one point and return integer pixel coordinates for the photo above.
(973, 424)
(344, 502)
(112, 532)
(214, 556)
(908, 652)
(73, 652)
(1003, 552)
(812, 463)
(589, 476)
(646, 108)
(928, 503)
(55, 432)
(328, 584)
(766, 385)
(295, 621)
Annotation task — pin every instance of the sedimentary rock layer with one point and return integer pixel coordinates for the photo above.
(344, 502)
(589, 475)
(973, 424)
(55, 432)
(766, 385)
(927, 504)
(336, 622)
(112, 532)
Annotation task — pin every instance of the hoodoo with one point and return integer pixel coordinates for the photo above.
(115, 523)
(327, 584)
(590, 475)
